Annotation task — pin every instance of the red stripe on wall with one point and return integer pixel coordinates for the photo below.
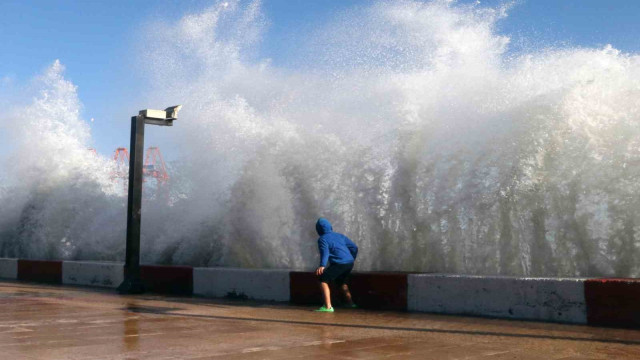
(46, 271)
(613, 302)
(167, 279)
(304, 289)
(382, 291)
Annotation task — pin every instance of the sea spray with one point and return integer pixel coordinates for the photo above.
(57, 193)
(409, 124)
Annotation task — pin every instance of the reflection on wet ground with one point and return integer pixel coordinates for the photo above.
(51, 322)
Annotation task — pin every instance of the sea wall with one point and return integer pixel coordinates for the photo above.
(602, 302)
(88, 273)
(258, 284)
(547, 299)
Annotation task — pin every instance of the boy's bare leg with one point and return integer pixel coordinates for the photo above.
(326, 293)
(347, 294)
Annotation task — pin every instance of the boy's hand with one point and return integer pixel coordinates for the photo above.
(320, 270)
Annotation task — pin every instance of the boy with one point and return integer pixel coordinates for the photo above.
(337, 251)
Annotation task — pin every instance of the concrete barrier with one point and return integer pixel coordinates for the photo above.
(600, 302)
(259, 284)
(378, 290)
(547, 299)
(89, 273)
(46, 271)
(613, 302)
(304, 289)
(9, 269)
(167, 279)
(382, 291)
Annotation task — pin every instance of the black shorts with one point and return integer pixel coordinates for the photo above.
(336, 273)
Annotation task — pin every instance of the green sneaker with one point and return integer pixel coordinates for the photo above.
(324, 309)
(352, 306)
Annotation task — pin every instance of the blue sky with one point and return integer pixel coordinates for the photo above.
(95, 40)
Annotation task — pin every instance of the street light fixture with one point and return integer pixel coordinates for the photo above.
(132, 283)
(161, 117)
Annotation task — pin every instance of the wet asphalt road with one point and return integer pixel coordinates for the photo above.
(56, 322)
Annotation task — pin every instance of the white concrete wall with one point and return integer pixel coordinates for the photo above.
(90, 273)
(8, 268)
(259, 284)
(547, 299)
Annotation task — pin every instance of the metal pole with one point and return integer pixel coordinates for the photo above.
(132, 283)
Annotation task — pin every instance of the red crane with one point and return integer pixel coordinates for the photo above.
(121, 171)
(153, 167)
(121, 158)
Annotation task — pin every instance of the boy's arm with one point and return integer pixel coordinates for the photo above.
(323, 248)
(353, 248)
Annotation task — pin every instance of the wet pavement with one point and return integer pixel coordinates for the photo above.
(55, 322)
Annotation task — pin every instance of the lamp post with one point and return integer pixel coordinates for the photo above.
(132, 283)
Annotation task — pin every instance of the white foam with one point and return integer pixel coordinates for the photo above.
(410, 125)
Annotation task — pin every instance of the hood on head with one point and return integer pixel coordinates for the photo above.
(323, 226)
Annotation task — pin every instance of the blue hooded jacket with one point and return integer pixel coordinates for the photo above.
(334, 247)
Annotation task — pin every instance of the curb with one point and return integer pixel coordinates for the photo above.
(89, 273)
(44, 271)
(613, 302)
(598, 302)
(545, 299)
(176, 280)
(234, 283)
